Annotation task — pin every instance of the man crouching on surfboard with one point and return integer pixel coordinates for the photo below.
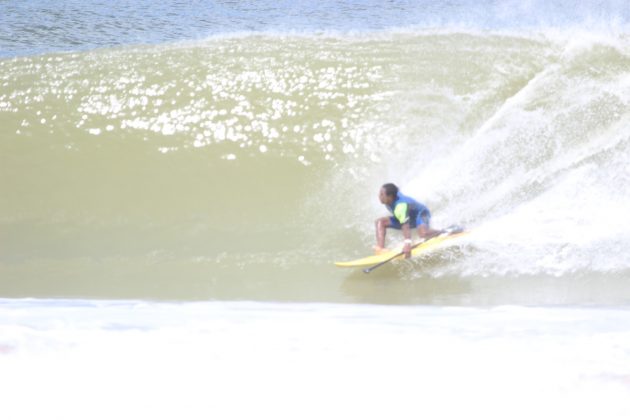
(407, 213)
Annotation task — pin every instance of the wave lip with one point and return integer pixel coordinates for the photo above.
(88, 25)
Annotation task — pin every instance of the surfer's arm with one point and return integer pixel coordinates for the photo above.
(401, 212)
(406, 231)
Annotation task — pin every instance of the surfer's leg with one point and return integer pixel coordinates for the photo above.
(423, 223)
(426, 232)
(381, 228)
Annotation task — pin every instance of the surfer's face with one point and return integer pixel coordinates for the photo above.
(384, 198)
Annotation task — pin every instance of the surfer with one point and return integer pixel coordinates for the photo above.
(407, 214)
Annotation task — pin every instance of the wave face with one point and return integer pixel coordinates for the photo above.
(240, 167)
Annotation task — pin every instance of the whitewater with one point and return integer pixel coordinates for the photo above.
(176, 183)
(243, 360)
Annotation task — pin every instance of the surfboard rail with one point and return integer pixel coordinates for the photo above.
(429, 246)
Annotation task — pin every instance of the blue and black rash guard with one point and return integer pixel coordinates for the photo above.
(407, 210)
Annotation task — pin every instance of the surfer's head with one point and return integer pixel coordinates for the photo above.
(388, 193)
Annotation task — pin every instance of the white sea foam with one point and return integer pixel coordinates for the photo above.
(245, 360)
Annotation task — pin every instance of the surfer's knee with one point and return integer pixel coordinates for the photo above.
(382, 222)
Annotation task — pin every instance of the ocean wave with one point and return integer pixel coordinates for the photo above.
(256, 147)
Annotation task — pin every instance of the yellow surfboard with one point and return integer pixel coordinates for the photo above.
(428, 246)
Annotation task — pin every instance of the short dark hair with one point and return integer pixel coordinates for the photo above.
(391, 190)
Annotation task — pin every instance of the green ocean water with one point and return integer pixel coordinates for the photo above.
(241, 167)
